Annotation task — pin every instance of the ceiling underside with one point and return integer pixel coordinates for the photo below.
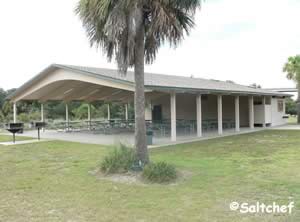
(72, 90)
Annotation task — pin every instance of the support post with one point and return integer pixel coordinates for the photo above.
(89, 116)
(67, 117)
(42, 113)
(264, 111)
(126, 111)
(220, 115)
(237, 114)
(199, 115)
(251, 112)
(15, 112)
(42, 118)
(108, 111)
(173, 117)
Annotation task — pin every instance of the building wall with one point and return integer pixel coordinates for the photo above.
(186, 107)
(277, 116)
(244, 111)
(260, 117)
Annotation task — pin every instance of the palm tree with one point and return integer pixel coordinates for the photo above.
(132, 31)
(292, 68)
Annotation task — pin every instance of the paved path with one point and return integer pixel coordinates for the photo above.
(288, 127)
(22, 142)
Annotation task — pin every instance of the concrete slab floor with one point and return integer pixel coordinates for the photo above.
(128, 138)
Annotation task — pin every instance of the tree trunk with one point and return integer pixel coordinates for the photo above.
(298, 104)
(139, 96)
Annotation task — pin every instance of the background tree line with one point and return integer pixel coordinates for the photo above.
(55, 110)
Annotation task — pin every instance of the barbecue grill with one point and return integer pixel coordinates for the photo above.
(15, 128)
(38, 126)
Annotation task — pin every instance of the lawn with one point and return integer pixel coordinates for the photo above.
(292, 120)
(52, 181)
(8, 138)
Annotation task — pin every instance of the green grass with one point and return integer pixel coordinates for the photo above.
(292, 120)
(52, 181)
(8, 138)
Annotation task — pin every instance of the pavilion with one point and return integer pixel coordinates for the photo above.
(174, 104)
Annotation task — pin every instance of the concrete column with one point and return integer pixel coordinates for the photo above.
(42, 113)
(126, 111)
(264, 111)
(89, 112)
(173, 116)
(67, 117)
(199, 115)
(108, 111)
(284, 106)
(237, 114)
(220, 115)
(89, 116)
(15, 112)
(251, 112)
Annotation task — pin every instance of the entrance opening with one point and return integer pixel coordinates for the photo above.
(157, 113)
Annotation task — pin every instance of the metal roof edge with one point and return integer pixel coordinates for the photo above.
(195, 90)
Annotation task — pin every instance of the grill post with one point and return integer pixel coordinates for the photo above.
(39, 126)
(15, 128)
(39, 133)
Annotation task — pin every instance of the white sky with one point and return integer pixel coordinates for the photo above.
(246, 41)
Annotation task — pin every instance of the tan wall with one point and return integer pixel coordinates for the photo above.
(186, 107)
(244, 111)
(277, 116)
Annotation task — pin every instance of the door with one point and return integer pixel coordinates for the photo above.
(157, 113)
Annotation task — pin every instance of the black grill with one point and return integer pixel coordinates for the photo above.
(38, 126)
(15, 128)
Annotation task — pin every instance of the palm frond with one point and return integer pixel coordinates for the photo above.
(292, 68)
(111, 25)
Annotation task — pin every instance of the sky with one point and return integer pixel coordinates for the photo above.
(246, 41)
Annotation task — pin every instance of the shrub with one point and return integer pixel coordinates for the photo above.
(120, 160)
(160, 172)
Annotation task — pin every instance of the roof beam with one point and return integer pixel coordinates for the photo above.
(57, 91)
(101, 95)
(127, 99)
(82, 92)
(154, 95)
(118, 96)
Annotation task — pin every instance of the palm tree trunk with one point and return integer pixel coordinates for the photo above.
(139, 96)
(298, 104)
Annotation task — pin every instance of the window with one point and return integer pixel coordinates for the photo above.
(280, 106)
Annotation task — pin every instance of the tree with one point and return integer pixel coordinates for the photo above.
(291, 106)
(132, 31)
(3, 95)
(292, 69)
